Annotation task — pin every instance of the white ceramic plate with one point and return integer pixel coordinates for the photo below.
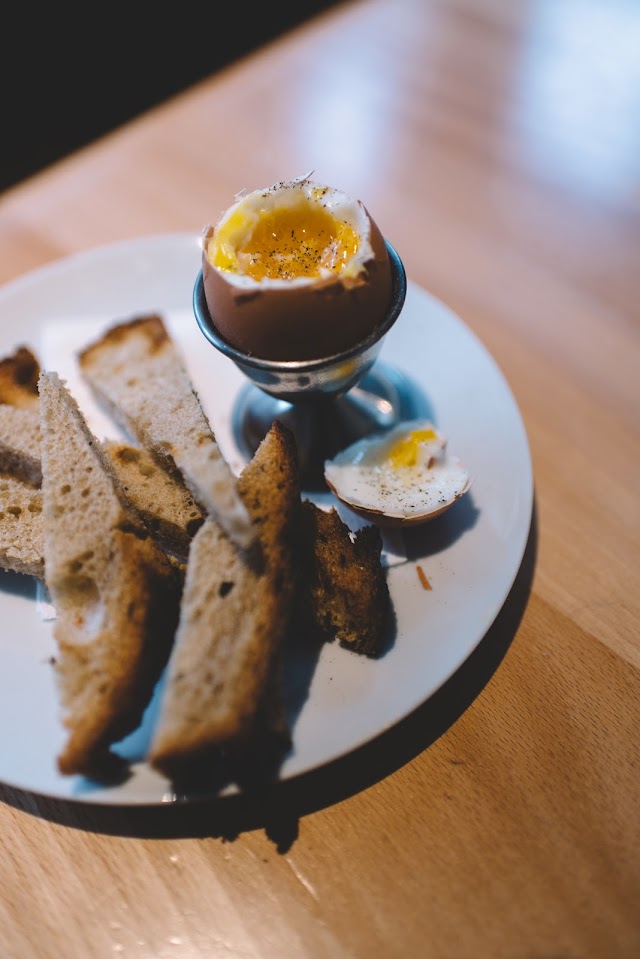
(470, 555)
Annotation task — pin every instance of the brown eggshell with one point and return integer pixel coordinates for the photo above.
(389, 522)
(300, 322)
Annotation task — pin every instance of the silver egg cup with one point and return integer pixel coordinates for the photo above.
(327, 402)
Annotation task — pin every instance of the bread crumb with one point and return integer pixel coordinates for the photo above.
(422, 576)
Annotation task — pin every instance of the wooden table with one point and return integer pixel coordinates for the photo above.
(498, 144)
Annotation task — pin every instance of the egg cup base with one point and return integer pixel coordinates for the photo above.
(383, 398)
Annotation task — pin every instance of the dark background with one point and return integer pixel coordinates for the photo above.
(70, 73)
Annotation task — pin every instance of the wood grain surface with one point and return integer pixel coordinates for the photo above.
(499, 144)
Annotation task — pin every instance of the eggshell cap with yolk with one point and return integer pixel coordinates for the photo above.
(325, 285)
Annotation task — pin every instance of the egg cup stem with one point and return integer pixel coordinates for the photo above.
(381, 399)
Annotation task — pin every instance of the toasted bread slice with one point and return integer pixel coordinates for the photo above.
(21, 527)
(138, 374)
(344, 592)
(233, 621)
(115, 593)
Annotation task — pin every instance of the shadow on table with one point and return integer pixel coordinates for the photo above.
(278, 807)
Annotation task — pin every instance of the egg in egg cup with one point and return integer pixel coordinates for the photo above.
(299, 288)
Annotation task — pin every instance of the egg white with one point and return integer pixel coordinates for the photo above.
(364, 479)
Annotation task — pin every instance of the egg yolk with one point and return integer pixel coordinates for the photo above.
(285, 243)
(405, 452)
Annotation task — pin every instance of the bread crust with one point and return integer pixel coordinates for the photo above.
(19, 374)
(344, 592)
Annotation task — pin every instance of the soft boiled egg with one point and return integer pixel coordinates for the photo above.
(295, 271)
(399, 478)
